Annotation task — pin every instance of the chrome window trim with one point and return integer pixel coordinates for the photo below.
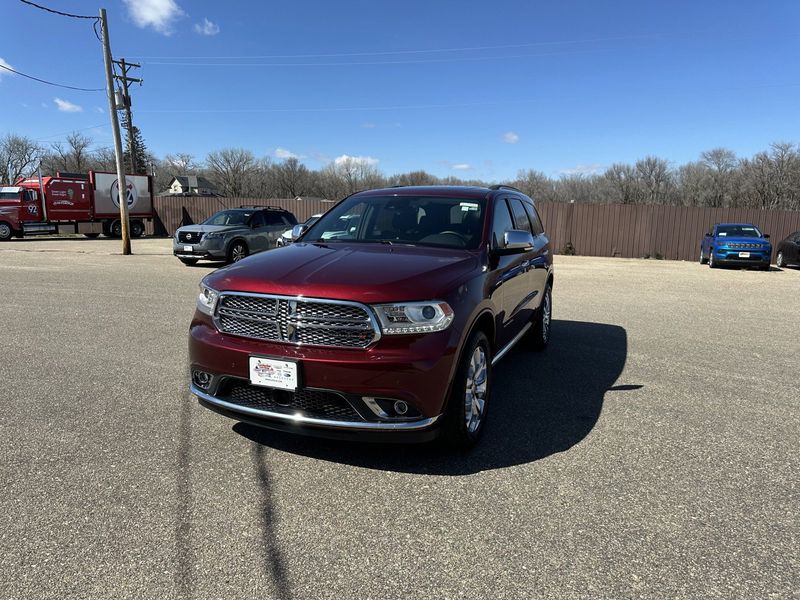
(325, 423)
(373, 319)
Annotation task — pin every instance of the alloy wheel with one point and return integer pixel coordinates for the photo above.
(475, 396)
(5, 231)
(238, 252)
(779, 260)
(547, 311)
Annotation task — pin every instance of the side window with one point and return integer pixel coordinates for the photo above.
(533, 215)
(520, 216)
(257, 220)
(500, 223)
(273, 219)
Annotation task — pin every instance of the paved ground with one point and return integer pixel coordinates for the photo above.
(651, 452)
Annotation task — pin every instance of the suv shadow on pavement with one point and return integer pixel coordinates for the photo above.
(541, 404)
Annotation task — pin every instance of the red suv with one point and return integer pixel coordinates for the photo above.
(382, 321)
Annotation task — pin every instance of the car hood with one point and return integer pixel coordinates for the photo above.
(724, 239)
(370, 273)
(209, 228)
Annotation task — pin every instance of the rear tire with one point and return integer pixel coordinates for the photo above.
(468, 402)
(539, 334)
(703, 259)
(137, 229)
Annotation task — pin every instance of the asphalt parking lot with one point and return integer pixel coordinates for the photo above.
(652, 451)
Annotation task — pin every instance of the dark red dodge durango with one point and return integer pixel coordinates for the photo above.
(382, 321)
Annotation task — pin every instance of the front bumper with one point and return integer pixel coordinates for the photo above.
(732, 256)
(416, 370)
(213, 249)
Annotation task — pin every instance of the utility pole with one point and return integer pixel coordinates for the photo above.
(126, 99)
(122, 188)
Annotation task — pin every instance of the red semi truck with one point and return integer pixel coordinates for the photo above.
(74, 203)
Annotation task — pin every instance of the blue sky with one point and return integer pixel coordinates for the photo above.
(473, 89)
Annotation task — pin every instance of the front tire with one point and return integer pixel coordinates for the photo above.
(703, 259)
(6, 233)
(188, 261)
(780, 261)
(468, 402)
(712, 264)
(237, 252)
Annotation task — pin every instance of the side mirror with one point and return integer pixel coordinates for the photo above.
(708, 235)
(297, 231)
(516, 241)
(766, 236)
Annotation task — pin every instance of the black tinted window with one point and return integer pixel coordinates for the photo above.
(536, 222)
(257, 220)
(274, 218)
(502, 223)
(520, 216)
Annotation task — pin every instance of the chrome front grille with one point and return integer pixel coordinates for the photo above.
(304, 321)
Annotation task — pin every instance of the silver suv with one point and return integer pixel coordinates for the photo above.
(232, 234)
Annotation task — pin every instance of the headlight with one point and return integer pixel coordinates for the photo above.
(414, 317)
(213, 235)
(207, 299)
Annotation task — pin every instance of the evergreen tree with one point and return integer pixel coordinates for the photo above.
(139, 149)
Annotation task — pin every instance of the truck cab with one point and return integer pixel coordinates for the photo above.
(20, 207)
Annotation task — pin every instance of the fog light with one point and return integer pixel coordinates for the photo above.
(400, 407)
(201, 379)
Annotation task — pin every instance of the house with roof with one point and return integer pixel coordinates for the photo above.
(191, 185)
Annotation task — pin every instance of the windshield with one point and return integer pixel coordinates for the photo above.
(230, 217)
(416, 220)
(738, 231)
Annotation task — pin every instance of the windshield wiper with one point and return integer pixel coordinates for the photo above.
(387, 242)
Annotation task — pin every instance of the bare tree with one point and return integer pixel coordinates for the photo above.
(231, 168)
(623, 183)
(291, 178)
(19, 156)
(721, 164)
(655, 178)
(536, 184)
(182, 163)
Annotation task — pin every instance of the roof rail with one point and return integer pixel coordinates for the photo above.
(261, 206)
(502, 186)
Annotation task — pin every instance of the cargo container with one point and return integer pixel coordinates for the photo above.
(74, 203)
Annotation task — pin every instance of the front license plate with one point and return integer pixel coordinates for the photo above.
(744, 255)
(271, 373)
(187, 248)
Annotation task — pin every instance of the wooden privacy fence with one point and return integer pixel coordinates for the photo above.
(630, 231)
(174, 211)
(671, 232)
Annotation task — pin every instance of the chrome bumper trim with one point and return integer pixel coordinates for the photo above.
(302, 420)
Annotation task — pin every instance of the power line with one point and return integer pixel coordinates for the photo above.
(69, 87)
(420, 51)
(57, 12)
(48, 137)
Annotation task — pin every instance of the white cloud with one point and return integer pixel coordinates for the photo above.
(3, 72)
(509, 137)
(158, 14)
(591, 169)
(363, 160)
(283, 154)
(98, 109)
(67, 106)
(206, 27)
(461, 167)
(369, 125)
